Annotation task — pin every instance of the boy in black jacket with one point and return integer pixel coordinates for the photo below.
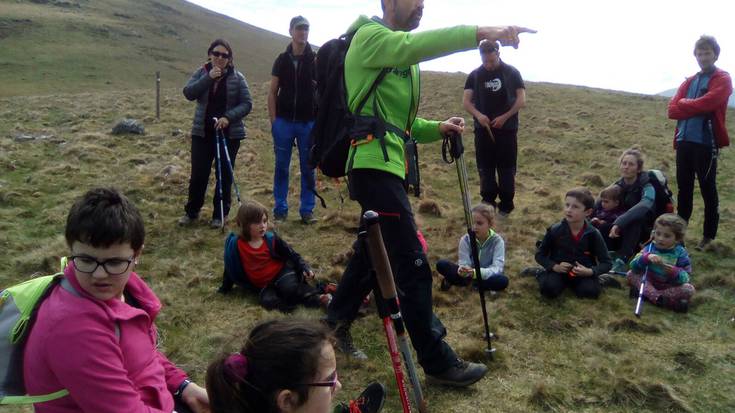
(573, 252)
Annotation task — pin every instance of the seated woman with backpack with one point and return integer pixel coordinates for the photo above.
(638, 200)
(93, 346)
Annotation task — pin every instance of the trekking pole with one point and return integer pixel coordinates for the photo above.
(219, 181)
(453, 150)
(221, 137)
(392, 317)
(644, 279)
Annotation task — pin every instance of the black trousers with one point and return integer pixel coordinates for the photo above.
(627, 245)
(551, 285)
(288, 290)
(203, 153)
(384, 193)
(496, 164)
(695, 160)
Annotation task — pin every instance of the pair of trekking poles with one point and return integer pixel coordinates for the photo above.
(220, 141)
(389, 306)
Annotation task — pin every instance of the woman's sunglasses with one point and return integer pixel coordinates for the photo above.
(220, 54)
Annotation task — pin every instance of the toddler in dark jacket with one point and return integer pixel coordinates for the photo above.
(259, 260)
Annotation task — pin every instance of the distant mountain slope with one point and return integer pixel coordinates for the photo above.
(672, 92)
(51, 46)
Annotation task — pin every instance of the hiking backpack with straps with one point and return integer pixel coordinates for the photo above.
(336, 128)
(664, 202)
(18, 307)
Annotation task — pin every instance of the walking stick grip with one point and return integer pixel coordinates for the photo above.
(379, 255)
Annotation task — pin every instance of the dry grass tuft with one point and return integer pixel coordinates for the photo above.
(430, 207)
(655, 396)
(548, 399)
(629, 324)
(690, 362)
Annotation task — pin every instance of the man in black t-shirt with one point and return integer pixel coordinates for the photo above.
(493, 95)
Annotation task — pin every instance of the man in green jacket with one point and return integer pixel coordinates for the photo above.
(376, 169)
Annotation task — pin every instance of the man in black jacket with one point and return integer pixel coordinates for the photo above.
(291, 109)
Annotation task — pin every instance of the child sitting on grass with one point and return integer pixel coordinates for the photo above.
(573, 252)
(259, 260)
(492, 255)
(608, 209)
(667, 264)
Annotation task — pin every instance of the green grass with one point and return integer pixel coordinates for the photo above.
(563, 355)
(70, 73)
(119, 44)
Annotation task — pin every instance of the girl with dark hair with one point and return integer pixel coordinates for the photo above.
(221, 92)
(285, 366)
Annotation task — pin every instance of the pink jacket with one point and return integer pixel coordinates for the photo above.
(74, 345)
(714, 101)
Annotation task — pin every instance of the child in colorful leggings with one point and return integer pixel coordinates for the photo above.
(667, 264)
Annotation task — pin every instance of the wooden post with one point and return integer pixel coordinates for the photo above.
(158, 95)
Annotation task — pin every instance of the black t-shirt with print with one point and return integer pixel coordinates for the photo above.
(494, 92)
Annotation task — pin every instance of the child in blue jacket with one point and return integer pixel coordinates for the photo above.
(262, 262)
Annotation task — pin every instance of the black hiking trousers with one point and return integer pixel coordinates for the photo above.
(203, 155)
(496, 164)
(384, 193)
(696, 160)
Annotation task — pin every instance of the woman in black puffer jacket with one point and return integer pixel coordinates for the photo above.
(221, 92)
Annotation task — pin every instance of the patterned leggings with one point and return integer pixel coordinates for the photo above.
(670, 295)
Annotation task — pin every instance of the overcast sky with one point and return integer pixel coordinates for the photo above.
(642, 46)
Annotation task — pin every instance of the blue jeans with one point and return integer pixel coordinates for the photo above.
(284, 133)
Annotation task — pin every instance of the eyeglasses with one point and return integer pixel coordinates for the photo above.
(220, 54)
(331, 381)
(113, 266)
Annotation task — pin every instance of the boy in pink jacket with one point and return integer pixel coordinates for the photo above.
(95, 334)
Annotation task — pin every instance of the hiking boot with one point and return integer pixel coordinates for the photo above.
(308, 219)
(280, 217)
(608, 280)
(681, 306)
(462, 374)
(344, 341)
(215, 223)
(633, 292)
(703, 244)
(445, 285)
(186, 220)
(619, 266)
(369, 401)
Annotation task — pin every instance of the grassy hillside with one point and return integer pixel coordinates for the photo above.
(564, 355)
(72, 46)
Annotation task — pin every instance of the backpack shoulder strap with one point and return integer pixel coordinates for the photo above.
(270, 241)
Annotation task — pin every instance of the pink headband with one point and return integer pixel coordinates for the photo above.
(236, 365)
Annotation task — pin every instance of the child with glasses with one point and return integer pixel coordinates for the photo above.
(260, 261)
(286, 365)
(95, 333)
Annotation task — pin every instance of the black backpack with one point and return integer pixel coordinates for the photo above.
(335, 127)
(664, 197)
